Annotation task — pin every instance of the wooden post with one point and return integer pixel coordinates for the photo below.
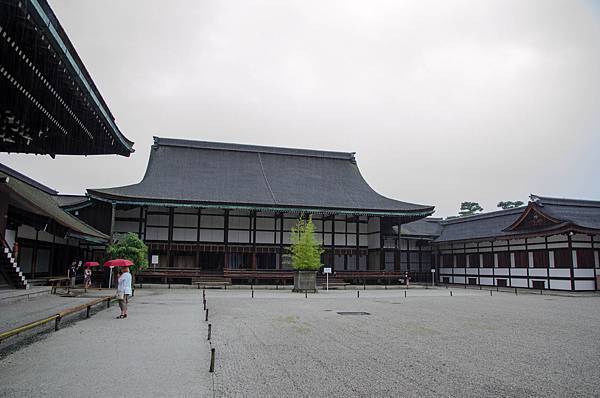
(212, 360)
(209, 330)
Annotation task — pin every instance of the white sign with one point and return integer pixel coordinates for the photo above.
(155, 259)
(327, 270)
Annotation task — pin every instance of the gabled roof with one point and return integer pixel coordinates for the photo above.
(204, 174)
(36, 199)
(558, 215)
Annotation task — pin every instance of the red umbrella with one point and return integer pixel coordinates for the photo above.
(119, 262)
(91, 264)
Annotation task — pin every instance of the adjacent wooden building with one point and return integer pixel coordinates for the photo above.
(228, 209)
(549, 244)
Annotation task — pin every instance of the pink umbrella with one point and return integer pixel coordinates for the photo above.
(119, 262)
(91, 264)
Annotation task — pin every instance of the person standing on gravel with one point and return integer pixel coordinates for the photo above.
(124, 291)
(73, 273)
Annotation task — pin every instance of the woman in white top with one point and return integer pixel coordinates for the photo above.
(124, 291)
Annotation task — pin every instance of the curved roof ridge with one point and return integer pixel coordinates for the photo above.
(547, 200)
(224, 146)
(481, 216)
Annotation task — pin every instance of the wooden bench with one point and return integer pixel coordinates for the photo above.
(58, 282)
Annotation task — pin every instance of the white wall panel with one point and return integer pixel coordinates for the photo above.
(486, 281)
(459, 279)
(560, 272)
(182, 234)
(239, 237)
(211, 235)
(239, 222)
(583, 273)
(373, 225)
(158, 219)
(212, 221)
(265, 223)
(351, 240)
(560, 284)
(185, 220)
(537, 272)
(514, 282)
(340, 239)
(157, 233)
(485, 271)
(374, 242)
(516, 271)
(584, 285)
(264, 237)
(471, 271)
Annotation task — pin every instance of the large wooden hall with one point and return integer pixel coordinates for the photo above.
(227, 209)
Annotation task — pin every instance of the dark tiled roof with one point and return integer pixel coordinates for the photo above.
(569, 212)
(39, 200)
(70, 200)
(195, 172)
(427, 227)
(584, 213)
(15, 174)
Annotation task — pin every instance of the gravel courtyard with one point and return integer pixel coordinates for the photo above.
(282, 344)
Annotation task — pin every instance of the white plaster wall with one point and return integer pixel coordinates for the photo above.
(514, 282)
(459, 279)
(584, 285)
(560, 272)
(158, 219)
(187, 235)
(263, 237)
(560, 284)
(374, 241)
(485, 271)
(486, 281)
(537, 272)
(131, 213)
(212, 235)
(518, 271)
(157, 233)
(472, 271)
(583, 273)
(10, 235)
(185, 220)
(210, 221)
(501, 271)
(126, 226)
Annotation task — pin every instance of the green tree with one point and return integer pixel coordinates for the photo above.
(469, 209)
(305, 250)
(131, 248)
(510, 204)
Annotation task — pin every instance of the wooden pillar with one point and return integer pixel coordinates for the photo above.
(170, 237)
(34, 257)
(571, 272)
(52, 260)
(281, 240)
(198, 265)
(333, 243)
(357, 257)
(141, 217)
(3, 212)
(253, 237)
(226, 240)
(381, 249)
(548, 260)
(528, 265)
(113, 209)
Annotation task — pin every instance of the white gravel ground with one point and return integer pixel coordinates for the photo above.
(280, 344)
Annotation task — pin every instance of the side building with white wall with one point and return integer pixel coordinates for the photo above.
(549, 244)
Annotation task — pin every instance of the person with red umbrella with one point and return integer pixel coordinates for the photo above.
(124, 283)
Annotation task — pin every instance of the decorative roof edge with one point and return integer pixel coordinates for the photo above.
(223, 146)
(416, 213)
(46, 15)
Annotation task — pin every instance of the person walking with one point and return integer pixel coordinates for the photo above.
(87, 276)
(124, 291)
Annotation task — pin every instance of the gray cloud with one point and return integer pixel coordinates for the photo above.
(442, 101)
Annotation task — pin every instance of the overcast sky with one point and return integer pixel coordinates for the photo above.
(443, 101)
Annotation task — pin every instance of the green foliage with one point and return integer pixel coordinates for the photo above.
(131, 248)
(510, 204)
(305, 250)
(469, 209)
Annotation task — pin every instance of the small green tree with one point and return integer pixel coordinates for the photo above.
(510, 204)
(469, 209)
(305, 250)
(131, 248)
